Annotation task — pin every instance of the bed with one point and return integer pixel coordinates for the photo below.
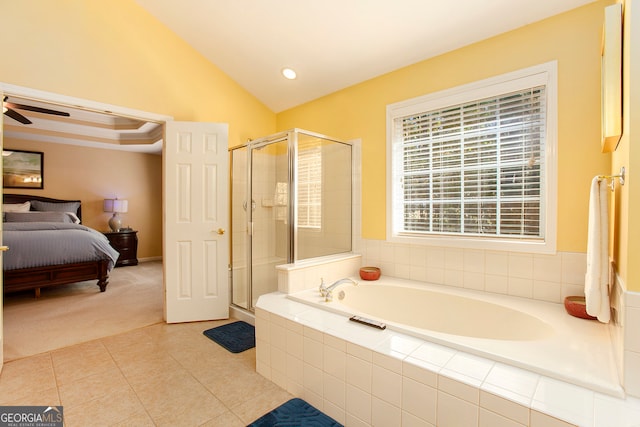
(49, 247)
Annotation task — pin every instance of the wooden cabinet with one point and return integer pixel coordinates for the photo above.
(126, 243)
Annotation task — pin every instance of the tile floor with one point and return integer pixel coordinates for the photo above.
(163, 375)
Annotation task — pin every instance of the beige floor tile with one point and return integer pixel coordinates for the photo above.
(253, 409)
(228, 419)
(128, 342)
(170, 394)
(78, 392)
(204, 362)
(82, 360)
(159, 375)
(46, 397)
(112, 408)
(247, 359)
(26, 377)
(140, 419)
(236, 386)
(142, 366)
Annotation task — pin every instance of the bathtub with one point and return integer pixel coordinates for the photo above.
(533, 335)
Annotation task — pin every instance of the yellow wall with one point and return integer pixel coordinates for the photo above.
(572, 38)
(626, 238)
(116, 53)
(92, 175)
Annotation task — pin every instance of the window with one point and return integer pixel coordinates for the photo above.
(310, 187)
(474, 164)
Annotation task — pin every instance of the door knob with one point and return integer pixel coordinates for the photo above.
(4, 248)
(220, 231)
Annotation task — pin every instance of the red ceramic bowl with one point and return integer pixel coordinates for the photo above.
(577, 307)
(369, 273)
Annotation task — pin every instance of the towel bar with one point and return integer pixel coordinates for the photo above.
(620, 177)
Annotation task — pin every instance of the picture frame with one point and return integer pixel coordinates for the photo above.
(22, 169)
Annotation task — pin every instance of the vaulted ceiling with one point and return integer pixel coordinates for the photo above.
(331, 44)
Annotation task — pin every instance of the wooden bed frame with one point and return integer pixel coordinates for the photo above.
(54, 275)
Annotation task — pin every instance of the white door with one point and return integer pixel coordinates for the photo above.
(196, 217)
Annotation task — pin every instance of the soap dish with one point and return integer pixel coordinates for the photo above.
(577, 307)
(369, 273)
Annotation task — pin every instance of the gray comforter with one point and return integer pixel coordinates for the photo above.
(37, 244)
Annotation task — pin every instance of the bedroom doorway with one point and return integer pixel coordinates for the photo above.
(89, 106)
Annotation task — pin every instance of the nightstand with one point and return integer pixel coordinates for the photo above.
(126, 243)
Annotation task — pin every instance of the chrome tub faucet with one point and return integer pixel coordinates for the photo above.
(327, 291)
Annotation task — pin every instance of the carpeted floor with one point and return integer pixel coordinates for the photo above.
(79, 312)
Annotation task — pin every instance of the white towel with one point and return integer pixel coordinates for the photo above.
(596, 284)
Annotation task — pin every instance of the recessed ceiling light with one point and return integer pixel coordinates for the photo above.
(288, 73)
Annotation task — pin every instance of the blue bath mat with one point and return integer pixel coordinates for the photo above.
(235, 337)
(295, 413)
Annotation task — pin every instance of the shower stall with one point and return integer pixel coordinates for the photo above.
(291, 199)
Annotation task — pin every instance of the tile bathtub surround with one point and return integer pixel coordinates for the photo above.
(361, 377)
(631, 355)
(542, 277)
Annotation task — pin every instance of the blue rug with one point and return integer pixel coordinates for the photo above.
(295, 413)
(235, 337)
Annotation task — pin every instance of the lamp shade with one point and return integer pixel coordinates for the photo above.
(115, 205)
(120, 206)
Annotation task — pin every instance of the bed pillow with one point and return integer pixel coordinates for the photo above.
(35, 216)
(72, 207)
(16, 207)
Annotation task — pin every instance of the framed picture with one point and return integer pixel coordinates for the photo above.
(22, 169)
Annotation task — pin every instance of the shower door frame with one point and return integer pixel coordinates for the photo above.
(250, 146)
(291, 136)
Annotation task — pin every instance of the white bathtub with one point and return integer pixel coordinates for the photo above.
(534, 335)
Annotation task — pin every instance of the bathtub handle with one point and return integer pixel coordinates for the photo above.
(322, 289)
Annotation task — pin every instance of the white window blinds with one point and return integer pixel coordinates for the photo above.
(310, 187)
(474, 168)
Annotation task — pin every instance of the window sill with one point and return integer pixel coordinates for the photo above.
(494, 244)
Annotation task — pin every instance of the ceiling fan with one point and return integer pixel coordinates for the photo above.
(9, 109)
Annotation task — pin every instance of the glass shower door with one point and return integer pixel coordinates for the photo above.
(270, 244)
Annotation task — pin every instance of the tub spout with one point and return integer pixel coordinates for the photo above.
(327, 291)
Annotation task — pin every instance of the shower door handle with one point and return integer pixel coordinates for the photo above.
(253, 205)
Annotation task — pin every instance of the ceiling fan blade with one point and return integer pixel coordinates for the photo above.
(17, 116)
(36, 109)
